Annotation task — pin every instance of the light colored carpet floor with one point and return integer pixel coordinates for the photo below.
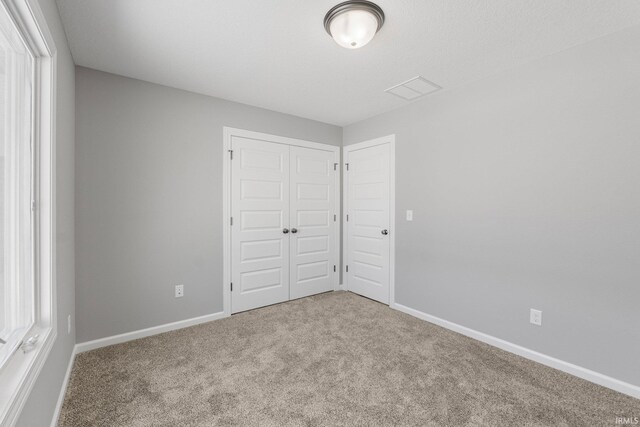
(330, 360)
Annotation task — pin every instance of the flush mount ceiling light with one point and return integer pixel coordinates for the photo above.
(352, 24)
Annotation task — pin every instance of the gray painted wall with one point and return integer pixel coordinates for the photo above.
(525, 191)
(149, 199)
(40, 406)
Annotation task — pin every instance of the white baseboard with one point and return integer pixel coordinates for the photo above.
(155, 330)
(578, 371)
(561, 365)
(117, 339)
(63, 389)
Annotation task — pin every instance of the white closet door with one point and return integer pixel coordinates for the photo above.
(260, 214)
(368, 208)
(313, 207)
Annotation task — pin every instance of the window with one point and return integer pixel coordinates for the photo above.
(27, 201)
(16, 236)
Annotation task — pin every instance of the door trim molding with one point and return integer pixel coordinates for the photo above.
(391, 140)
(227, 134)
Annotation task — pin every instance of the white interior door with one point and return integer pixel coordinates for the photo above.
(313, 210)
(260, 215)
(368, 222)
(282, 207)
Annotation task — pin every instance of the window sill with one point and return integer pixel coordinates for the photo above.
(20, 373)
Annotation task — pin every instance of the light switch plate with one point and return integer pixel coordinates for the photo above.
(409, 215)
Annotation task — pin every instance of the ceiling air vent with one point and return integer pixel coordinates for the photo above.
(413, 88)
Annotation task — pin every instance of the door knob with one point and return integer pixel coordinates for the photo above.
(385, 232)
(294, 230)
(285, 230)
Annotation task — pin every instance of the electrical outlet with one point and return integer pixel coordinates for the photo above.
(409, 215)
(179, 291)
(68, 324)
(535, 317)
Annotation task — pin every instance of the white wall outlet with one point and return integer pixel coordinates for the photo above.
(409, 215)
(179, 291)
(68, 324)
(535, 317)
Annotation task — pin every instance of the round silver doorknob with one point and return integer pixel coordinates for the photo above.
(285, 230)
(385, 232)
(294, 230)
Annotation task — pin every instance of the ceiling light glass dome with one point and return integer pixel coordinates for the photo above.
(353, 24)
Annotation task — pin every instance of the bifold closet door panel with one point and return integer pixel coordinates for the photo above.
(312, 220)
(260, 213)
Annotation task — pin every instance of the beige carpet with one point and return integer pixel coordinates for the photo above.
(329, 360)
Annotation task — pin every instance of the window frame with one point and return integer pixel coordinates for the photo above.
(17, 321)
(19, 373)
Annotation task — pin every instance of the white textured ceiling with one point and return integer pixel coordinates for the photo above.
(275, 53)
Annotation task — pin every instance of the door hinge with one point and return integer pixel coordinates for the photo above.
(231, 286)
(231, 221)
(335, 166)
(334, 268)
(347, 165)
(334, 218)
(347, 217)
(33, 206)
(231, 154)
(347, 268)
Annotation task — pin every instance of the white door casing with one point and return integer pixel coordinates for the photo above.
(369, 219)
(260, 209)
(270, 180)
(313, 221)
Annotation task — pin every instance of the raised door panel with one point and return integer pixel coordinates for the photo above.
(313, 205)
(368, 203)
(260, 211)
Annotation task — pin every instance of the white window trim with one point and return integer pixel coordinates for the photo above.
(19, 374)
